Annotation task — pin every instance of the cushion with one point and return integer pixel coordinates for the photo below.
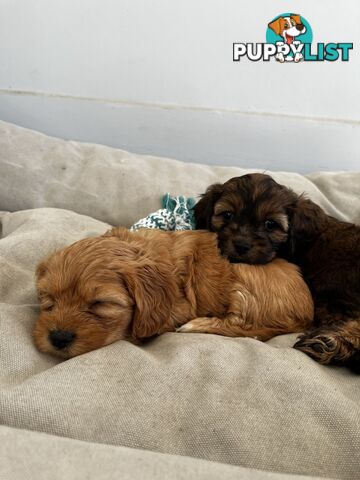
(240, 402)
(120, 188)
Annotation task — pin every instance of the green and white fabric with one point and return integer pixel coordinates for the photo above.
(176, 214)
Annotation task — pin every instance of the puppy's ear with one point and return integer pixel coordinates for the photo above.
(306, 222)
(296, 18)
(276, 25)
(204, 209)
(153, 288)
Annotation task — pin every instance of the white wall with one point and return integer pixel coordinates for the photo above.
(157, 77)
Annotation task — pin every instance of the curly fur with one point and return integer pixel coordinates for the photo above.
(134, 285)
(257, 220)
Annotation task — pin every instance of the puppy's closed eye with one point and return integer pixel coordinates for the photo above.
(47, 303)
(47, 306)
(107, 308)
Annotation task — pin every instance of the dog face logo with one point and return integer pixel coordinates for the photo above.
(288, 27)
(289, 40)
(289, 30)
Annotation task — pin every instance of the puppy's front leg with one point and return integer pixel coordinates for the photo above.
(230, 326)
(219, 326)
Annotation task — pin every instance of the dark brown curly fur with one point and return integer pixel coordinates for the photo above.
(256, 220)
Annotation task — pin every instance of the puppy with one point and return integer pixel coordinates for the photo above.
(134, 285)
(288, 28)
(256, 220)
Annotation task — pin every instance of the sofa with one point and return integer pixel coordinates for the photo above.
(191, 406)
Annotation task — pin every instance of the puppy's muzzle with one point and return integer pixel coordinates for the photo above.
(241, 246)
(61, 339)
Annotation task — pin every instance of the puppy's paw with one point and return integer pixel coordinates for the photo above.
(198, 325)
(184, 328)
(322, 348)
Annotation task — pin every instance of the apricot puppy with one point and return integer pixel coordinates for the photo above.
(134, 285)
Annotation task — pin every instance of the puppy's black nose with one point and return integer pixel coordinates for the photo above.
(300, 27)
(61, 338)
(241, 246)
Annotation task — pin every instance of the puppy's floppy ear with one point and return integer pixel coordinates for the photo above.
(296, 18)
(204, 209)
(148, 277)
(153, 288)
(276, 25)
(306, 222)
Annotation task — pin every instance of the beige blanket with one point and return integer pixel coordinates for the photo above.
(239, 402)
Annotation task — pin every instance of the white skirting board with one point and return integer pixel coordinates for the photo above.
(217, 137)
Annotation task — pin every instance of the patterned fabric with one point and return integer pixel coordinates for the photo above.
(176, 214)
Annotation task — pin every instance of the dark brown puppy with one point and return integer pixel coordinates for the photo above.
(257, 219)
